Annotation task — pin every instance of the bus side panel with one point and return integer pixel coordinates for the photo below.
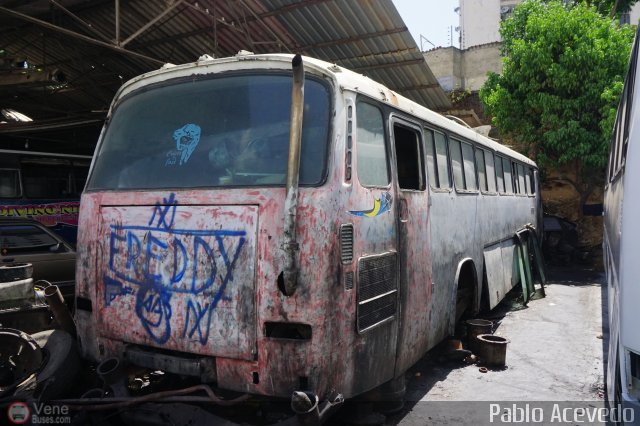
(415, 280)
(374, 342)
(453, 223)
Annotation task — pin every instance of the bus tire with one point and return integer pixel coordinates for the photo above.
(15, 272)
(62, 365)
(465, 289)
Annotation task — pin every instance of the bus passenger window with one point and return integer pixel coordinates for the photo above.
(491, 173)
(464, 167)
(482, 172)
(528, 181)
(456, 162)
(431, 159)
(46, 180)
(9, 183)
(508, 179)
(437, 164)
(408, 158)
(521, 180)
(442, 160)
(500, 175)
(370, 147)
(469, 167)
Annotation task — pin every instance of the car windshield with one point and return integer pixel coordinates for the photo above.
(21, 237)
(212, 132)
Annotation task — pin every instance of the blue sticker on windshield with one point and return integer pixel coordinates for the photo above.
(187, 138)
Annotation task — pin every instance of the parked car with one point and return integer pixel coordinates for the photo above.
(27, 241)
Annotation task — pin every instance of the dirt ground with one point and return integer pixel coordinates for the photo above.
(556, 352)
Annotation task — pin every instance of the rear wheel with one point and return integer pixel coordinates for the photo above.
(465, 291)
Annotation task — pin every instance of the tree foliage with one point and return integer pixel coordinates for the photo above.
(610, 8)
(563, 69)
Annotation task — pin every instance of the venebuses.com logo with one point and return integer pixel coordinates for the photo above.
(18, 413)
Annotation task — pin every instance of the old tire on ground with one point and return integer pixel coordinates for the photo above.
(61, 366)
(15, 272)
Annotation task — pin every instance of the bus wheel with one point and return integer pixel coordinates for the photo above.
(392, 395)
(466, 290)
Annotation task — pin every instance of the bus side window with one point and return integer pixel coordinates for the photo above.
(519, 178)
(432, 170)
(469, 166)
(456, 163)
(491, 174)
(500, 175)
(464, 168)
(370, 147)
(9, 183)
(508, 179)
(482, 170)
(408, 158)
(442, 160)
(529, 180)
(437, 164)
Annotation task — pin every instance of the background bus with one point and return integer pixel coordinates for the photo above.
(44, 186)
(621, 247)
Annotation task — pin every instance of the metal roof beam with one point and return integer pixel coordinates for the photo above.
(416, 87)
(348, 40)
(290, 7)
(149, 24)
(390, 65)
(78, 19)
(76, 35)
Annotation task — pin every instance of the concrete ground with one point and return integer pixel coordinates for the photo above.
(556, 353)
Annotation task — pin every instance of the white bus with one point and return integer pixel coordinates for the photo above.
(621, 247)
(197, 243)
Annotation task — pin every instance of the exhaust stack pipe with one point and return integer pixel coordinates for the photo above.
(290, 244)
(62, 315)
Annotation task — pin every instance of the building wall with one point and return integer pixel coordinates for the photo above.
(634, 14)
(480, 20)
(446, 65)
(458, 69)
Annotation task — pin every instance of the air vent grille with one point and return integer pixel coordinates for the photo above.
(348, 281)
(377, 290)
(346, 243)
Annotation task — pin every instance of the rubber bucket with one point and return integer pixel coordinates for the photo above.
(476, 327)
(492, 350)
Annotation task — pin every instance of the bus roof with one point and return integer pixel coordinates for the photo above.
(344, 78)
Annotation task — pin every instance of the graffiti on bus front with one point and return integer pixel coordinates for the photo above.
(166, 268)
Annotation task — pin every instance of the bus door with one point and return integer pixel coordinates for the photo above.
(412, 210)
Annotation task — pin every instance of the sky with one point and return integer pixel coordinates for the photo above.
(433, 19)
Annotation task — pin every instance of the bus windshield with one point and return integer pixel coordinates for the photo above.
(212, 132)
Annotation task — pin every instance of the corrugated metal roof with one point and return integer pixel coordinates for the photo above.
(367, 36)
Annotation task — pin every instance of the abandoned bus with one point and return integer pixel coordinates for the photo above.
(205, 249)
(44, 186)
(620, 247)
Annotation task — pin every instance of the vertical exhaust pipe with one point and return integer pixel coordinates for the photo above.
(290, 244)
(60, 312)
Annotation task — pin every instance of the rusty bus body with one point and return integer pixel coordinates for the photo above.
(400, 215)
